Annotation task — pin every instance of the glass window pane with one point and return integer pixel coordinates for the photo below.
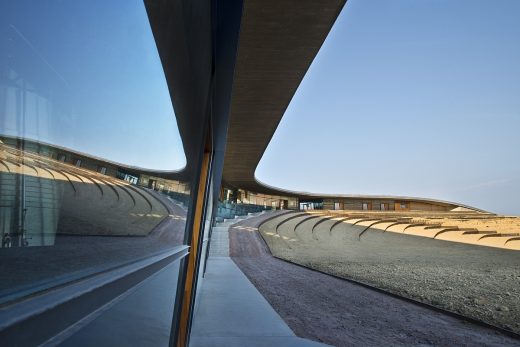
(87, 130)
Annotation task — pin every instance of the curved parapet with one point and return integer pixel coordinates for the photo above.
(366, 220)
(502, 240)
(307, 219)
(513, 243)
(322, 220)
(345, 219)
(378, 221)
(294, 215)
(287, 231)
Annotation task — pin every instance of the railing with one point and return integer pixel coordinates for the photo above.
(179, 197)
(229, 210)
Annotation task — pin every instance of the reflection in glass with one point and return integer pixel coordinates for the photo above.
(82, 76)
(91, 217)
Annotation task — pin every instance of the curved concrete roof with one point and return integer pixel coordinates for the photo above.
(167, 174)
(309, 195)
(278, 42)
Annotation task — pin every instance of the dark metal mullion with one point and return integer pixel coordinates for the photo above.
(200, 244)
(188, 233)
(183, 268)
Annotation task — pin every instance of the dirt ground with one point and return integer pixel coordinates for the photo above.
(341, 313)
(478, 282)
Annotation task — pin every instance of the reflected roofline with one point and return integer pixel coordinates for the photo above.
(169, 174)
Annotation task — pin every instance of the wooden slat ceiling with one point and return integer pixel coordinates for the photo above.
(278, 41)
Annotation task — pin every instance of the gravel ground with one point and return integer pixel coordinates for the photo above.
(341, 313)
(475, 281)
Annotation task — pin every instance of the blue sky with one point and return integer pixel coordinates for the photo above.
(92, 79)
(416, 98)
(406, 97)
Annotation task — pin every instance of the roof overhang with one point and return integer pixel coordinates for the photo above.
(278, 42)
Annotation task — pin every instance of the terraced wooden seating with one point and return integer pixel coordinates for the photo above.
(513, 243)
(311, 217)
(377, 222)
(288, 218)
(322, 220)
(271, 235)
(353, 226)
(471, 236)
(331, 230)
(287, 228)
(498, 239)
(352, 219)
(63, 199)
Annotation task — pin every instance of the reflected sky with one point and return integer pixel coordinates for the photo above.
(417, 98)
(86, 75)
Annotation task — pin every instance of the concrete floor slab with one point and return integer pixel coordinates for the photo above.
(233, 313)
(141, 318)
(252, 341)
(219, 242)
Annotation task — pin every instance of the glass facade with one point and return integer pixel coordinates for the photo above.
(105, 209)
(113, 130)
(76, 81)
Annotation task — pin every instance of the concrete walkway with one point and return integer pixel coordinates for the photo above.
(231, 312)
(220, 236)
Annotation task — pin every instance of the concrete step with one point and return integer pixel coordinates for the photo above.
(219, 242)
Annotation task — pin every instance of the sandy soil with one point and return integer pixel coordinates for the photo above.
(498, 224)
(331, 310)
(475, 281)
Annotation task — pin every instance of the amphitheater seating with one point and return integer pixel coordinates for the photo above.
(63, 199)
(457, 226)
